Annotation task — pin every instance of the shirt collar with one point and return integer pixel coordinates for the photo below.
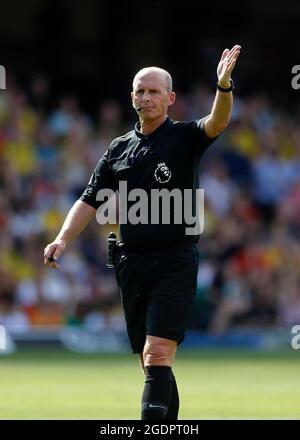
(154, 133)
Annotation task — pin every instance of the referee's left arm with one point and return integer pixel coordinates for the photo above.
(219, 117)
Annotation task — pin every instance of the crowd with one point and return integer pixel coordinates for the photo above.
(249, 272)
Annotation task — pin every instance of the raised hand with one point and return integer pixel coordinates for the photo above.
(226, 65)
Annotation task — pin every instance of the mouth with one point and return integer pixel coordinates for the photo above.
(146, 108)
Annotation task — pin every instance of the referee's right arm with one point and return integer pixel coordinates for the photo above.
(77, 219)
(82, 212)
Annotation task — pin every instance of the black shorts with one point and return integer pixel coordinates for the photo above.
(157, 292)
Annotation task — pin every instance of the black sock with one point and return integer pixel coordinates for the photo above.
(172, 413)
(157, 392)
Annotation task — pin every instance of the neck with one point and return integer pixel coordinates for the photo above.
(147, 127)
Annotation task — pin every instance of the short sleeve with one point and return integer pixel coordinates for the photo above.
(200, 139)
(101, 178)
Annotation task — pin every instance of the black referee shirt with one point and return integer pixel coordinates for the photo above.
(167, 158)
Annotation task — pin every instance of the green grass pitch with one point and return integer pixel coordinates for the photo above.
(49, 384)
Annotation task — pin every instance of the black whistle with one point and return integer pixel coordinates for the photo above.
(111, 250)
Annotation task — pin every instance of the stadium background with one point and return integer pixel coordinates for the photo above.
(69, 67)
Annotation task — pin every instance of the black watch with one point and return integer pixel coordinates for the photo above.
(229, 89)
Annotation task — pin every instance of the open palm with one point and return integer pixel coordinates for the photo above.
(226, 65)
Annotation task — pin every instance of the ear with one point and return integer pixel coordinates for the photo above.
(172, 98)
(131, 94)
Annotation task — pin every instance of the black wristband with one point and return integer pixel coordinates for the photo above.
(229, 89)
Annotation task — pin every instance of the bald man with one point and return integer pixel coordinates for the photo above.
(157, 260)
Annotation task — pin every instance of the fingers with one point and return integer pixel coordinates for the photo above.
(231, 65)
(57, 251)
(229, 58)
(51, 254)
(235, 48)
(232, 61)
(233, 53)
(224, 54)
(228, 55)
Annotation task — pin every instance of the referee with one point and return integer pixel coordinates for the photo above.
(157, 262)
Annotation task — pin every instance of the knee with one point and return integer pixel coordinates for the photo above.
(159, 353)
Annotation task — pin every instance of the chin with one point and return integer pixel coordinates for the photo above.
(149, 116)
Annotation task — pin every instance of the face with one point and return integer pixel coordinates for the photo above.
(151, 95)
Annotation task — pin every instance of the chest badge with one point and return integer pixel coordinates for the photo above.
(162, 173)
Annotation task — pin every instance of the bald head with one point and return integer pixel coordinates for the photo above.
(161, 74)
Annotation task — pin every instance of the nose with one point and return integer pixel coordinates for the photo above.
(146, 97)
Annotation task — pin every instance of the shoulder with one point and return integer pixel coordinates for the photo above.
(195, 131)
(190, 125)
(120, 140)
(119, 144)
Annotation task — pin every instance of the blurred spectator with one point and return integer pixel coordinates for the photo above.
(218, 188)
